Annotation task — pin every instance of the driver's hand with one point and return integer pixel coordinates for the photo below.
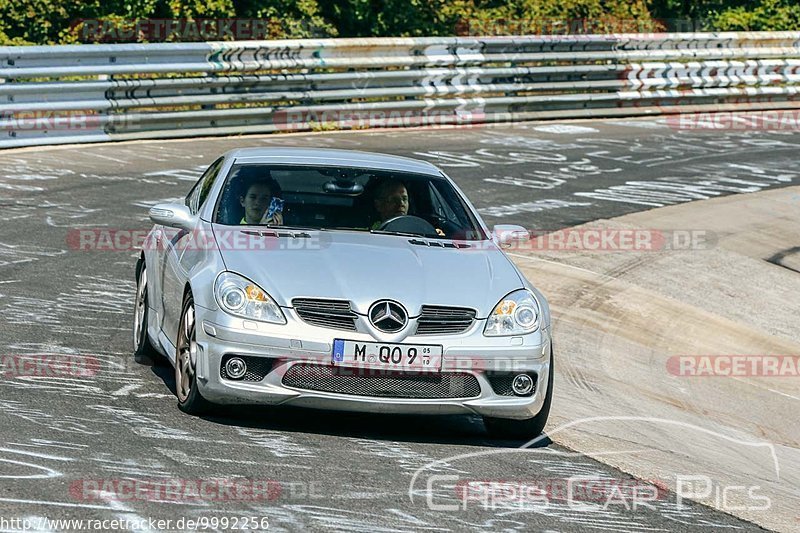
(277, 219)
(439, 232)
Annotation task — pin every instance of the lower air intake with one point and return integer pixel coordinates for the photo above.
(379, 383)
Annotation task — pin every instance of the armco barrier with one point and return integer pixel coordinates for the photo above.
(90, 93)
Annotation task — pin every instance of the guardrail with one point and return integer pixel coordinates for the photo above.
(92, 93)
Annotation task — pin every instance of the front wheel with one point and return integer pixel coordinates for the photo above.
(505, 428)
(143, 350)
(190, 400)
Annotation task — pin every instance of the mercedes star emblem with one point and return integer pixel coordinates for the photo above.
(388, 316)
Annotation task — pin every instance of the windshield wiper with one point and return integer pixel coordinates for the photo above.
(291, 228)
(401, 233)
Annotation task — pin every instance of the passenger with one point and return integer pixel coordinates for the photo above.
(256, 200)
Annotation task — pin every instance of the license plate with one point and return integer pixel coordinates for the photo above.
(418, 357)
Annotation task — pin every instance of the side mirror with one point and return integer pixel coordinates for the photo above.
(505, 235)
(173, 216)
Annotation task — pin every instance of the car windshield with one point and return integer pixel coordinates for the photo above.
(344, 198)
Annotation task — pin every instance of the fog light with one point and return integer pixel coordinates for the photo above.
(235, 368)
(522, 384)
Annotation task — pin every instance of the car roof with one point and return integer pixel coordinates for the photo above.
(332, 157)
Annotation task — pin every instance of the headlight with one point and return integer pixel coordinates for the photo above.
(516, 314)
(239, 296)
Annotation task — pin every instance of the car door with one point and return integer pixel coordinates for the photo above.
(176, 242)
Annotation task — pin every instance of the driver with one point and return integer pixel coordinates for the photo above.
(391, 200)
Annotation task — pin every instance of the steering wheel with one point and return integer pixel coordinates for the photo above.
(408, 224)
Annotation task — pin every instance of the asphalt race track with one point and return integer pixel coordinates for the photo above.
(66, 438)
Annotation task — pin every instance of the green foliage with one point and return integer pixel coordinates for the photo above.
(288, 18)
(59, 21)
(515, 17)
(40, 21)
(74, 21)
(383, 18)
(773, 15)
(401, 18)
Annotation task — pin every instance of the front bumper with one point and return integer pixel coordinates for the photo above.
(470, 353)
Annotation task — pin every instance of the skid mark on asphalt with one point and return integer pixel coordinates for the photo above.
(529, 207)
(126, 466)
(277, 443)
(60, 424)
(147, 204)
(313, 141)
(50, 365)
(181, 174)
(16, 469)
(71, 388)
(719, 179)
(13, 254)
(642, 124)
(94, 299)
(55, 214)
(570, 129)
(66, 215)
(45, 443)
(142, 425)
(292, 517)
(47, 503)
(27, 461)
(196, 460)
(403, 456)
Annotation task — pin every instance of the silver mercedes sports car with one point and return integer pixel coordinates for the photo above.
(343, 280)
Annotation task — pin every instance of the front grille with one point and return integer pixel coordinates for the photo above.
(439, 320)
(501, 382)
(257, 367)
(326, 313)
(326, 378)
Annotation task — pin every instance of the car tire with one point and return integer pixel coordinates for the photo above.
(190, 401)
(504, 428)
(143, 350)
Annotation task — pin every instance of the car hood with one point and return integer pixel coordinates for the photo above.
(363, 267)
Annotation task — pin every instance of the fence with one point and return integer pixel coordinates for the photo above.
(91, 93)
